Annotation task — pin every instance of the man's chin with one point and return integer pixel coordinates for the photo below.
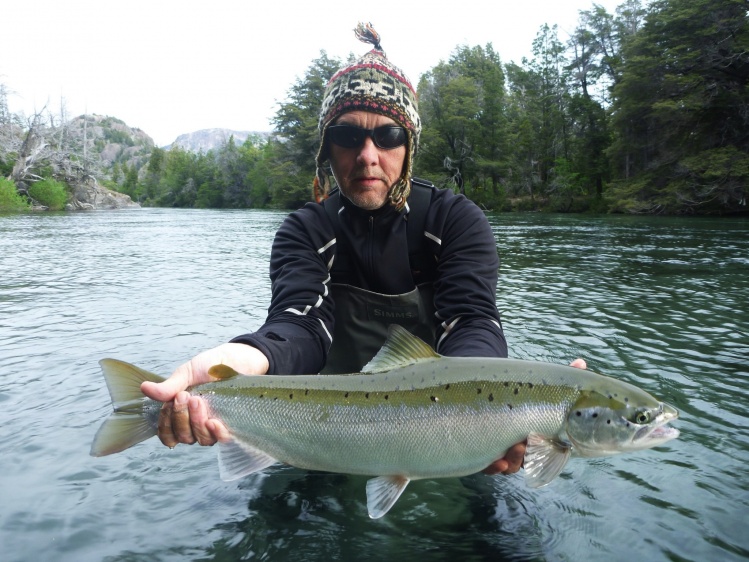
(367, 200)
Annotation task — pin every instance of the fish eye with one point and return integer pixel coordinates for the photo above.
(642, 417)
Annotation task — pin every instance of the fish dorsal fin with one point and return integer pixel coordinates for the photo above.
(383, 492)
(237, 459)
(222, 372)
(544, 459)
(401, 348)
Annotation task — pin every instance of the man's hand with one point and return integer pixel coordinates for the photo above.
(184, 418)
(513, 459)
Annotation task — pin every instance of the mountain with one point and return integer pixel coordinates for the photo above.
(208, 139)
(112, 140)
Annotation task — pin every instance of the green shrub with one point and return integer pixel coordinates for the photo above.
(10, 200)
(50, 193)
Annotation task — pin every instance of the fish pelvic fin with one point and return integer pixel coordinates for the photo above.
(401, 348)
(544, 459)
(135, 417)
(383, 492)
(237, 459)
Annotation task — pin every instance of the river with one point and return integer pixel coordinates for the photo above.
(659, 302)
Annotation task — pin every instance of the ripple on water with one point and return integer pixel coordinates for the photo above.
(657, 302)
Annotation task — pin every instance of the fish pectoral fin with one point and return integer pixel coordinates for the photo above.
(544, 459)
(383, 492)
(237, 459)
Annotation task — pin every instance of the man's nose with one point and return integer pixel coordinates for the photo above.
(368, 152)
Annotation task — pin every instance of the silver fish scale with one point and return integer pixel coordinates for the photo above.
(410, 433)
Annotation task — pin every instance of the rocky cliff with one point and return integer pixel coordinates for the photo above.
(91, 196)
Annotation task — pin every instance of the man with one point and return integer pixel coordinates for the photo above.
(381, 248)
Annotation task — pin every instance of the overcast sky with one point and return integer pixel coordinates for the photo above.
(175, 66)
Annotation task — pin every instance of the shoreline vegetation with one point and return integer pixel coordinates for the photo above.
(644, 111)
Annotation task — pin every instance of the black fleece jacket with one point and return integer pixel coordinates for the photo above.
(458, 240)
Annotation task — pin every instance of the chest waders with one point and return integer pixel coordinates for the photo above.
(362, 317)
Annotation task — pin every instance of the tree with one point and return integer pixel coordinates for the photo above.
(538, 115)
(464, 135)
(681, 109)
(296, 124)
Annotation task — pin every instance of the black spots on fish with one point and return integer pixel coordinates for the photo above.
(578, 413)
(626, 398)
(608, 422)
(491, 397)
(387, 397)
(434, 398)
(515, 391)
(306, 392)
(447, 386)
(507, 384)
(509, 406)
(291, 395)
(530, 385)
(478, 390)
(595, 415)
(345, 395)
(366, 395)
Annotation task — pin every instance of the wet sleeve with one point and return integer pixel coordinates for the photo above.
(466, 283)
(296, 335)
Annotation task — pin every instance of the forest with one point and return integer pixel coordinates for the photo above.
(642, 111)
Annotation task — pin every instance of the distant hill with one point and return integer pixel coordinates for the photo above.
(116, 143)
(209, 139)
(113, 140)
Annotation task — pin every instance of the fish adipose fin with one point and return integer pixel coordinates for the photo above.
(544, 459)
(237, 459)
(401, 348)
(135, 417)
(383, 492)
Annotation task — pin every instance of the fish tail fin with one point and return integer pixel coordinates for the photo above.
(135, 417)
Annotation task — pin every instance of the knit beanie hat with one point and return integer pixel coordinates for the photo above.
(375, 85)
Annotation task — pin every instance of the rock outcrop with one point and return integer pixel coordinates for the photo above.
(92, 196)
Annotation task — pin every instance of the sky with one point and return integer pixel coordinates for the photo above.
(171, 67)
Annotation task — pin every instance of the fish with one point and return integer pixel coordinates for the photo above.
(410, 414)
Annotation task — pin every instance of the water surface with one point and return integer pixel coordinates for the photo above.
(661, 303)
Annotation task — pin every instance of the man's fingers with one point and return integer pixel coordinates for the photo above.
(579, 363)
(166, 435)
(514, 457)
(181, 419)
(218, 430)
(198, 419)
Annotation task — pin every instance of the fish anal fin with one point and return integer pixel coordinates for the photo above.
(237, 459)
(544, 459)
(400, 348)
(383, 492)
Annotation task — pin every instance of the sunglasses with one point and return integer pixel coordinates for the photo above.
(350, 136)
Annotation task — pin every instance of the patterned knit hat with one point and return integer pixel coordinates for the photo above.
(370, 84)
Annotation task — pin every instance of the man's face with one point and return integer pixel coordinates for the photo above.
(366, 173)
